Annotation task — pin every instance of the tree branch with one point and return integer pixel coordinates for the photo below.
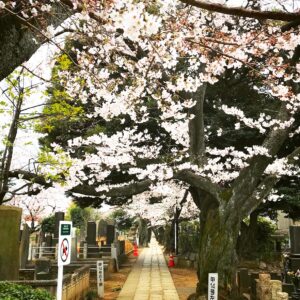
(242, 12)
(266, 186)
(32, 177)
(249, 178)
(199, 182)
(115, 192)
(196, 128)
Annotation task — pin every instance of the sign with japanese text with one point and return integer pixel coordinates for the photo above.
(213, 286)
(100, 278)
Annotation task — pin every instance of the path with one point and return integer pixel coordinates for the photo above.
(150, 278)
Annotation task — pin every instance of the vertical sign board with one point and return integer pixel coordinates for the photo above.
(100, 278)
(213, 286)
(63, 253)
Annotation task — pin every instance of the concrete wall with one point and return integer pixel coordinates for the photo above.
(74, 285)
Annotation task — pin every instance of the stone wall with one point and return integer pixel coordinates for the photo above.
(267, 289)
(74, 285)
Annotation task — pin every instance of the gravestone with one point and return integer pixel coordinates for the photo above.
(24, 246)
(253, 278)
(42, 269)
(102, 230)
(48, 240)
(110, 235)
(243, 281)
(295, 239)
(10, 220)
(41, 238)
(59, 216)
(121, 247)
(91, 233)
(74, 245)
(93, 249)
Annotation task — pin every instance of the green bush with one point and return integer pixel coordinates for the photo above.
(91, 295)
(10, 291)
(48, 224)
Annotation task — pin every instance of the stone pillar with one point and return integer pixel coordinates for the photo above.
(264, 287)
(74, 245)
(10, 220)
(59, 216)
(110, 235)
(91, 233)
(24, 246)
(276, 288)
(48, 240)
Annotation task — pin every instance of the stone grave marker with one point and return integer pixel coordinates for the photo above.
(48, 240)
(91, 233)
(110, 235)
(295, 239)
(93, 249)
(59, 216)
(243, 281)
(74, 245)
(10, 219)
(42, 269)
(102, 231)
(24, 246)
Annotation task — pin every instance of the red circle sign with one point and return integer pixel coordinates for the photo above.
(64, 250)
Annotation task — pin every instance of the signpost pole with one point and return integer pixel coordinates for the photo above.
(213, 286)
(100, 278)
(60, 273)
(64, 254)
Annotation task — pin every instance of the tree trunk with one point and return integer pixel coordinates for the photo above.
(247, 242)
(217, 251)
(19, 42)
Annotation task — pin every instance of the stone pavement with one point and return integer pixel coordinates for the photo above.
(150, 278)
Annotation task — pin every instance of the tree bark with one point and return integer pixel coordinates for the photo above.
(217, 251)
(19, 41)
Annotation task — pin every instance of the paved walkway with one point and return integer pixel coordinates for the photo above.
(150, 278)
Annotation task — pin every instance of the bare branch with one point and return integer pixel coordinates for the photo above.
(32, 177)
(242, 12)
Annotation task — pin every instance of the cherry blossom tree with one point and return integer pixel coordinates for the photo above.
(155, 61)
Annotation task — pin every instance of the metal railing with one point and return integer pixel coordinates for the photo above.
(36, 252)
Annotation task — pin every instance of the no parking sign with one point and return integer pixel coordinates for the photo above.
(64, 243)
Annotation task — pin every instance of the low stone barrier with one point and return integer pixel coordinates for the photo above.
(267, 289)
(74, 285)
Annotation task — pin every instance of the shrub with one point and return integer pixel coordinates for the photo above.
(11, 291)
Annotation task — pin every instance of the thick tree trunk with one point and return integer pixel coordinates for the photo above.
(217, 252)
(247, 243)
(20, 41)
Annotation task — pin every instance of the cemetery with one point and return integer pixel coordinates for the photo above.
(150, 150)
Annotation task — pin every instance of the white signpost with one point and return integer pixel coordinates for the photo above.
(213, 286)
(100, 278)
(64, 253)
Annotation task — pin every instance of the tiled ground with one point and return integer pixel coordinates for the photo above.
(150, 278)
